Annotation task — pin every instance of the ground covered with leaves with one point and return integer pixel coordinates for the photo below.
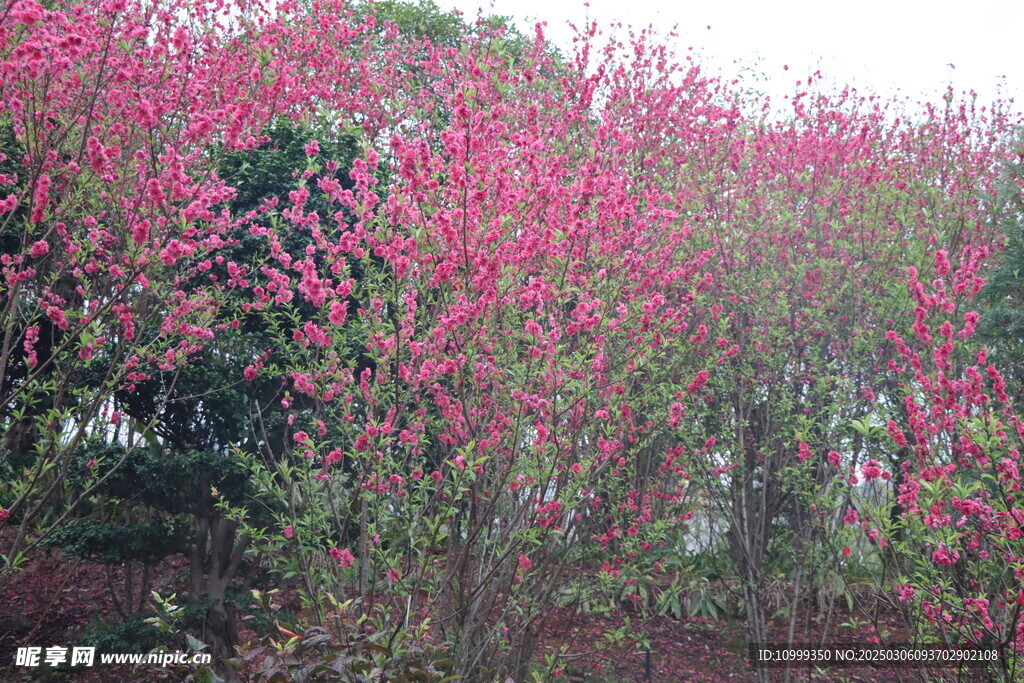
(57, 600)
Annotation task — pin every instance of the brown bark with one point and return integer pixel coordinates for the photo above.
(216, 557)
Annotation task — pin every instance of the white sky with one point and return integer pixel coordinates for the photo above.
(879, 46)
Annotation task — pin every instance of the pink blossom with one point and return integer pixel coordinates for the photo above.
(140, 235)
(172, 252)
(30, 13)
(871, 470)
(39, 249)
(339, 310)
(58, 317)
(944, 555)
(525, 563)
(698, 382)
(289, 531)
(31, 338)
(344, 557)
(675, 414)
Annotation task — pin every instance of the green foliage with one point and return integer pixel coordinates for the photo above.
(421, 21)
(135, 634)
(354, 647)
(425, 21)
(1001, 325)
(116, 543)
(11, 153)
(203, 407)
(275, 168)
(174, 482)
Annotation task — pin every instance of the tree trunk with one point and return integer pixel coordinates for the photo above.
(220, 552)
(522, 655)
(219, 631)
